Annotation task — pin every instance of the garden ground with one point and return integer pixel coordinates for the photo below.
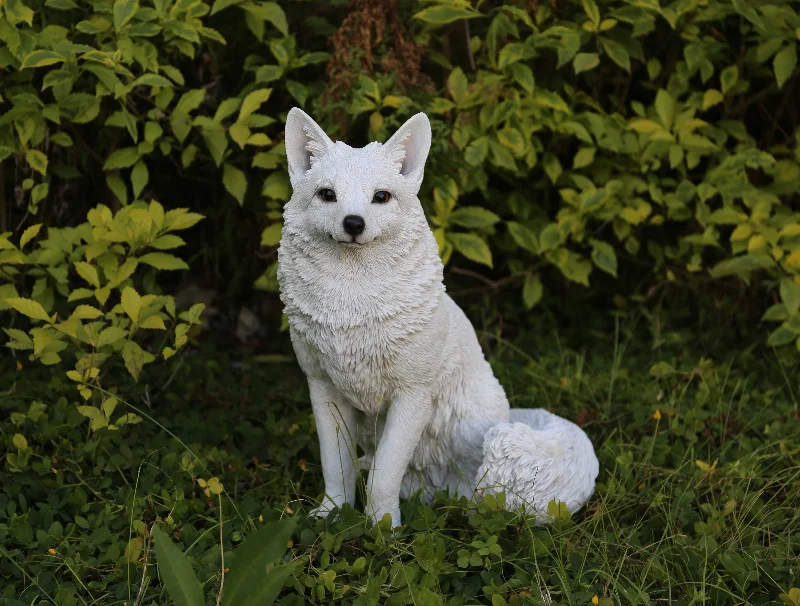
(698, 499)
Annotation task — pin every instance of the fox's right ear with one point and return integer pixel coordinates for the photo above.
(306, 143)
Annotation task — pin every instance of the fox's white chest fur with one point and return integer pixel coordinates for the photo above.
(356, 318)
(391, 360)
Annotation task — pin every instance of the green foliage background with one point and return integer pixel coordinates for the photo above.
(629, 155)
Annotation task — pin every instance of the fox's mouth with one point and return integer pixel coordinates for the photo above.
(349, 243)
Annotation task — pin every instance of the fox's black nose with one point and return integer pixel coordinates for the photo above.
(353, 225)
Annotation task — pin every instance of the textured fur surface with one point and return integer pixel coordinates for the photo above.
(393, 364)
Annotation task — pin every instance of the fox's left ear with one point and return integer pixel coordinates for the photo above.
(409, 147)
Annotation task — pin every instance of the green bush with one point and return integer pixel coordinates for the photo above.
(570, 136)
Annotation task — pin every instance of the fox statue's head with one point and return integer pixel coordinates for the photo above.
(354, 197)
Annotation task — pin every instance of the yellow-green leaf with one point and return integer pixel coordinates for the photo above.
(235, 182)
(29, 307)
(271, 235)
(131, 303)
(41, 58)
(252, 102)
(29, 234)
(472, 247)
(163, 261)
(154, 322)
(443, 14)
(37, 160)
(88, 273)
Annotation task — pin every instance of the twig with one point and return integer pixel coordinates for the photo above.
(221, 553)
(469, 46)
(3, 209)
(473, 274)
(140, 595)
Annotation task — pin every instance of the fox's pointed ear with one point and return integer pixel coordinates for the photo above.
(409, 147)
(306, 143)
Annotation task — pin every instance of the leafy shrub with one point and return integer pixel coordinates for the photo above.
(569, 137)
(103, 315)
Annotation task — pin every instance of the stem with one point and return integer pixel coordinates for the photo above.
(3, 208)
(221, 553)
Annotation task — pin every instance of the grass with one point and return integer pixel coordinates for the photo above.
(698, 500)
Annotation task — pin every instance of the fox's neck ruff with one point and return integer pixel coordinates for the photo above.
(340, 288)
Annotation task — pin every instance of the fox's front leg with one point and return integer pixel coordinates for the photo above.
(336, 428)
(406, 419)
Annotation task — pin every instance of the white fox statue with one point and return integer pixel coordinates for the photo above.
(393, 364)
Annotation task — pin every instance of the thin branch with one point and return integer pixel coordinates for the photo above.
(469, 46)
(221, 553)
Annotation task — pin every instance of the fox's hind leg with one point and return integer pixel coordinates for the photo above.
(336, 427)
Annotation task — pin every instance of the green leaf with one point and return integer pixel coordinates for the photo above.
(139, 178)
(711, 98)
(41, 58)
(532, 291)
(163, 261)
(783, 335)
(135, 358)
(604, 256)
(728, 78)
(591, 10)
(572, 265)
(550, 237)
(443, 14)
(176, 572)
(122, 158)
(457, 84)
(523, 76)
(784, 63)
(252, 580)
(523, 236)
(666, 106)
(118, 187)
(472, 247)
(271, 235)
(584, 157)
(476, 151)
(7, 291)
(151, 80)
(131, 303)
(37, 160)
(88, 273)
(97, 418)
(235, 182)
(276, 186)
(29, 307)
(112, 334)
(223, 4)
(748, 12)
(252, 102)
(29, 234)
(268, 11)
(512, 139)
(124, 10)
(167, 242)
(552, 166)
(473, 217)
(742, 265)
(190, 101)
(790, 295)
(617, 53)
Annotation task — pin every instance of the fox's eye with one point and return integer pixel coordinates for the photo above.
(327, 195)
(381, 197)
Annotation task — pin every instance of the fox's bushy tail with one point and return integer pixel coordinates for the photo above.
(536, 458)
